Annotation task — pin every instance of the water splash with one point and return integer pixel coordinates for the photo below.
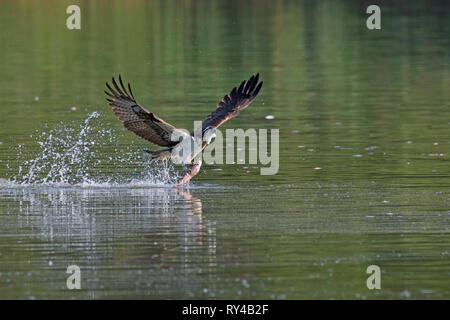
(86, 154)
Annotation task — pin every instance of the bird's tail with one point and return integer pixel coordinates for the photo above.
(163, 154)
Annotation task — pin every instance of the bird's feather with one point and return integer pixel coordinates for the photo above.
(135, 118)
(237, 100)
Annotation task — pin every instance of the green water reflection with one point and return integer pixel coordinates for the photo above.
(369, 108)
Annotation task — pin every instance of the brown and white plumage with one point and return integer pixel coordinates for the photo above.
(152, 128)
(234, 102)
(136, 119)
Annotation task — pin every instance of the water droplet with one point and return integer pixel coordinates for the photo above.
(405, 294)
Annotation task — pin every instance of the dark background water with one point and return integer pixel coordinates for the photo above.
(369, 108)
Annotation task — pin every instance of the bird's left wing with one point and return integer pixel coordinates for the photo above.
(136, 119)
(237, 100)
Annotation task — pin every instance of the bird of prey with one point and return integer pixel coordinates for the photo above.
(175, 141)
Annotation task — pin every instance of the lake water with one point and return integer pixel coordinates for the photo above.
(364, 178)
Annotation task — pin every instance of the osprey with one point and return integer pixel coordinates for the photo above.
(179, 146)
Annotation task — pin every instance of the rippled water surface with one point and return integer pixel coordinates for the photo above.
(363, 177)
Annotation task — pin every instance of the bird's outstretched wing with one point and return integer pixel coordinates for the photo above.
(135, 118)
(237, 100)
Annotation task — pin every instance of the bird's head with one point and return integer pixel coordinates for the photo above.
(208, 134)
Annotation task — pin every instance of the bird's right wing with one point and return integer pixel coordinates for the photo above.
(136, 119)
